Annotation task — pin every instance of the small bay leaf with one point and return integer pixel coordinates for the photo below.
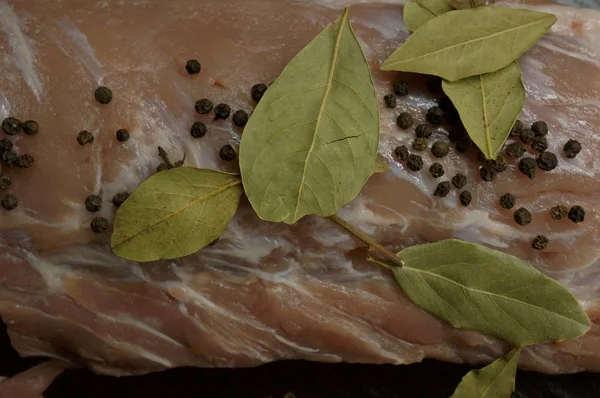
(175, 213)
(311, 143)
(488, 106)
(477, 288)
(380, 165)
(417, 12)
(471, 42)
(496, 380)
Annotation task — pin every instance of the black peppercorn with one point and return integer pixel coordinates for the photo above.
(540, 128)
(539, 144)
(390, 100)
(434, 115)
(559, 212)
(162, 167)
(240, 118)
(103, 95)
(99, 225)
(440, 149)
(85, 137)
(517, 128)
(465, 198)
(222, 111)
(193, 67)
(420, 144)
(527, 135)
(487, 174)
(522, 216)
(9, 158)
(9, 202)
(515, 150)
(457, 134)
(539, 242)
(442, 189)
(436, 170)
(30, 127)
(498, 165)
(257, 92)
(414, 162)
(93, 203)
(404, 120)
(572, 148)
(401, 152)
(423, 131)
(24, 161)
(203, 106)
(5, 145)
(198, 130)
(507, 201)
(5, 183)
(11, 126)
(120, 198)
(547, 161)
(227, 153)
(459, 180)
(463, 146)
(401, 88)
(122, 135)
(527, 167)
(576, 214)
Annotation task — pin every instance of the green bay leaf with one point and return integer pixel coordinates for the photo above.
(417, 12)
(477, 288)
(496, 380)
(488, 105)
(380, 165)
(311, 143)
(471, 42)
(175, 213)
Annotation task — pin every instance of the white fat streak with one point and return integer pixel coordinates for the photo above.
(546, 43)
(22, 51)
(53, 275)
(4, 106)
(359, 215)
(86, 53)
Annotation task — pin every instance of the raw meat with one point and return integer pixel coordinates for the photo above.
(264, 292)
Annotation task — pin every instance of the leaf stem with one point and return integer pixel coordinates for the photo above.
(367, 240)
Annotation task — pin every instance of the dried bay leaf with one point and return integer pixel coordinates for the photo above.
(417, 12)
(496, 380)
(471, 42)
(477, 288)
(488, 106)
(380, 165)
(311, 143)
(175, 213)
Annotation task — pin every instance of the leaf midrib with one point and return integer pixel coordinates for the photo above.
(486, 127)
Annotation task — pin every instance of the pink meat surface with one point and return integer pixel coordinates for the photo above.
(264, 292)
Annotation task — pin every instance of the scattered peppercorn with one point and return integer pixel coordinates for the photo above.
(420, 144)
(240, 118)
(457, 133)
(193, 67)
(401, 88)
(99, 225)
(30, 127)
(442, 189)
(465, 198)
(435, 115)
(162, 167)
(507, 201)
(517, 128)
(540, 144)
(576, 214)
(540, 128)
(198, 130)
(11, 126)
(9, 158)
(547, 161)
(85, 137)
(559, 212)
(459, 180)
(436, 170)
(423, 131)
(122, 135)
(539, 242)
(103, 95)
(401, 152)
(515, 150)
(404, 120)
(9, 202)
(257, 92)
(203, 106)
(463, 145)
(390, 100)
(440, 149)
(5, 145)
(222, 111)
(93, 203)
(120, 198)
(5, 183)
(414, 162)
(522, 216)
(572, 148)
(487, 174)
(227, 153)
(24, 161)
(449, 110)
(527, 135)
(497, 165)
(527, 167)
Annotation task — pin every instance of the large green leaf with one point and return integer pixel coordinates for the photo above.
(473, 287)
(497, 380)
(488, 106)
(417, 12)
(311, 143)
(175, 213)
(471, 42)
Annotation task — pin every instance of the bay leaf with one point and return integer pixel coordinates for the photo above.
(417, 12)
(175, 213)
(477, 288)
(311, 143)
(471, 42)
(496, 380)
(488, 106)
(381, 165)
(464, 4)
